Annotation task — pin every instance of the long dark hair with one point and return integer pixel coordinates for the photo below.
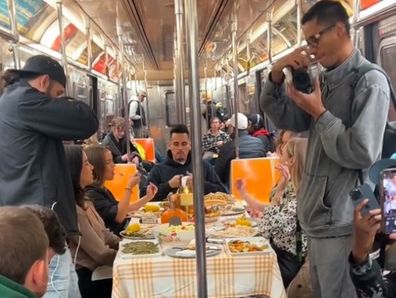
(10, 77)
(96, 157)
(74, 155)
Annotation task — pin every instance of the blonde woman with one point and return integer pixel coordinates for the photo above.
(279, 221)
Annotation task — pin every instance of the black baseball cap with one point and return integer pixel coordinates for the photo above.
(378, 167)
(43, 65)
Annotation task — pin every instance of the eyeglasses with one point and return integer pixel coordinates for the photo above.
(313, 41)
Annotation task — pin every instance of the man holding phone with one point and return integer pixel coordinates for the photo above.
(366, 273)
(346, 127)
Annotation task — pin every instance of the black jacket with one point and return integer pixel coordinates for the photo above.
(33, 167)
(107, 207)
(249, 147)
(164, 171)
(118, 149)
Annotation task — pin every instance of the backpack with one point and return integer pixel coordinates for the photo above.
(389, 143)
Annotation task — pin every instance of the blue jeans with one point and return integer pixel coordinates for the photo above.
(62, 278)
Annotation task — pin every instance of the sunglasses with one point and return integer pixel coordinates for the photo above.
(313, 41)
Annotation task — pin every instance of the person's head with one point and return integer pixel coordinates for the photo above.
(42, 73)
(102, 161)
(118, 127)
(55, 232)
(326, 30)
(23, 249)
(255, 123)
(283, 137)
(179, 143)
(142, 95)
(80, 171)
(293, 156)
(215, 124)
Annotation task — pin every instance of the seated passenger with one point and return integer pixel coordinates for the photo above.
(96, 246)
(279, 222)
(213, 140)
(167, 175)
(24, 254)
(113, 213)
(249, 147)
(366, 273)
(256, 129)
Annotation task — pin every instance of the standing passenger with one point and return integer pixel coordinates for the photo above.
(345, 138)
(33, 121)
(137, 114)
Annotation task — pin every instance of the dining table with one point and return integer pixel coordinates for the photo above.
(228, 275)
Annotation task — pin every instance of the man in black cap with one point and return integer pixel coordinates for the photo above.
(34, 120)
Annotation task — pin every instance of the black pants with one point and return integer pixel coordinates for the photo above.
(93, 289)
(288, 265)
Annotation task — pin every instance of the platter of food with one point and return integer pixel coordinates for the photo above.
(148, 209)
(241, 221)
(248, 245)
(140, 248)
(138, 232)
(222, 231)
(180, 233)
(218, 199)
(189, 252)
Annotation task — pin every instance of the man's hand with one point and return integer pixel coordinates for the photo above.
(219, 143)
(310, 103)
(365, 227)
(125, 157)
(299, 58)
(175, 181)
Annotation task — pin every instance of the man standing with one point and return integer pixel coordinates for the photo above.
(34, 120)
(345, 137)
(167, 175)
(137, 114)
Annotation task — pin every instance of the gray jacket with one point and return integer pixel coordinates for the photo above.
(347, 138)
(33, 167)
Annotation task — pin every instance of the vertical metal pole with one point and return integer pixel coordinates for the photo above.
(356, 11)
(269, 36)
(123, 78)
(89, 45)
(179, 11)
(234, 28)
(147, 103)
(63, 46)
(176, 81)
(299, 16)
(14, 31)
(195, 119)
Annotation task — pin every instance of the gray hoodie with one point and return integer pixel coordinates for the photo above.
(347, 138)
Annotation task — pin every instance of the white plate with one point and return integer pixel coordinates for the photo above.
(130, 255)
(178, 252)
(219, 231)
(259, 241)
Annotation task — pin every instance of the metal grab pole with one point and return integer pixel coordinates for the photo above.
(195, 119)
(355, 19)
(180, 91)
(15, 33)
(63, 46)
(299, 16)
(89, 45)
(235, 79)
(124, 81)
(269, 36)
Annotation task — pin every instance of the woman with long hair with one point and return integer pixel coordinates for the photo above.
(96, 246)
(114, 213)
(279, 222)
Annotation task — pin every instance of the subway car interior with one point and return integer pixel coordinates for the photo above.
(192, 62)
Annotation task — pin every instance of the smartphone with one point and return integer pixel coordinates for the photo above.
(388, 200)
(361, 192)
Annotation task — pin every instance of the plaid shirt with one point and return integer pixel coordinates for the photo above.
(209, 141)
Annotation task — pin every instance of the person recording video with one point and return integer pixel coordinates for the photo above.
(366, 273)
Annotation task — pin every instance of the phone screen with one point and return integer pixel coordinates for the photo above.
(388, 200)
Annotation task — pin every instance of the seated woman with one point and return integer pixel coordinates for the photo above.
(114, 213)
(96, 246)
(279, 222)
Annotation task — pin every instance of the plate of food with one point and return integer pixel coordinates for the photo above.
(224, 231)
(248, 245)
(138, 231)
(233, 209)
(189, 252)
(140, 248)
(218, 198)
(178, 233)
(241, 221)
(148, 209)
